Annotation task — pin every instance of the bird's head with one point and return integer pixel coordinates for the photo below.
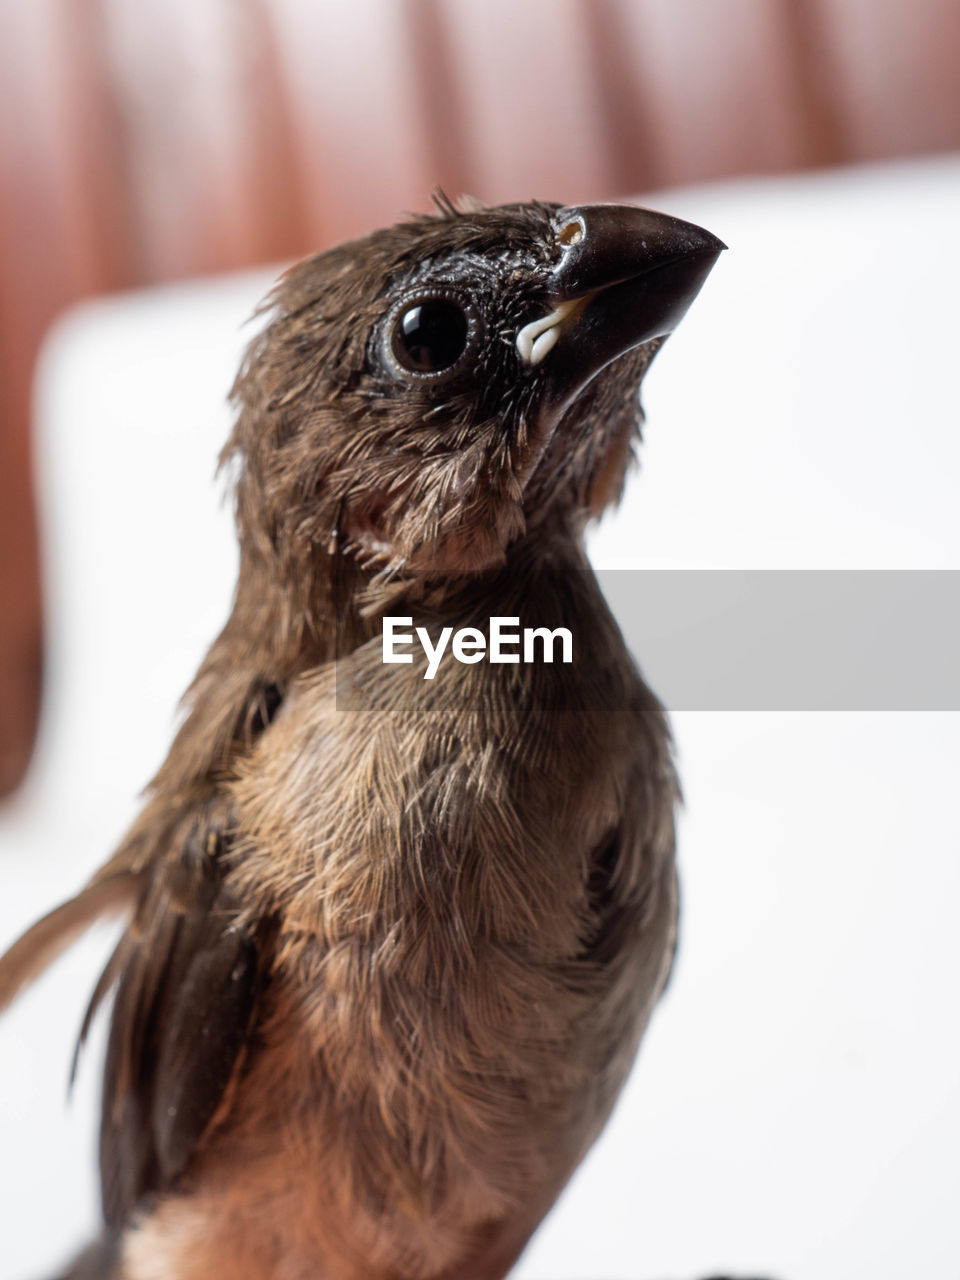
(422, 396)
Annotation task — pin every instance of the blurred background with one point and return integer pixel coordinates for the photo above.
(149, 140)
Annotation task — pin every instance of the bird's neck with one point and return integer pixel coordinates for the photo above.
(280, 629)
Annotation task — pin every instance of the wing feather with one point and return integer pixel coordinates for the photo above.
(60, 928)
(182, 1017)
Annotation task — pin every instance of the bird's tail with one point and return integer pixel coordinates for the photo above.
(51, 935)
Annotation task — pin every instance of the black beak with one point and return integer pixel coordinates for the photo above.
(636, 271)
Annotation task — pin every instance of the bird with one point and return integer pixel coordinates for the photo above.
(391, 942)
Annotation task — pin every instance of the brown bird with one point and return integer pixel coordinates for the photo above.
(393, 940)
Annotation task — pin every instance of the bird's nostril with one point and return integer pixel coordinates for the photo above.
(572, 233)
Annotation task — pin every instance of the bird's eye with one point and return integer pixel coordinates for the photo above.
(430, 335)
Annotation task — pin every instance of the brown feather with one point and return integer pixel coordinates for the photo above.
(43, 942)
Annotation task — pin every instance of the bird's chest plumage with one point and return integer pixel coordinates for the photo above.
(440, 1029)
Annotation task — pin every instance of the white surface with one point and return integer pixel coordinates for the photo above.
(796, 1110)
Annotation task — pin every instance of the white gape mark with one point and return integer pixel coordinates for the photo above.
(538, 337)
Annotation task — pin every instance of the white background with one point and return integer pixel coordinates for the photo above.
(796, 1108)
